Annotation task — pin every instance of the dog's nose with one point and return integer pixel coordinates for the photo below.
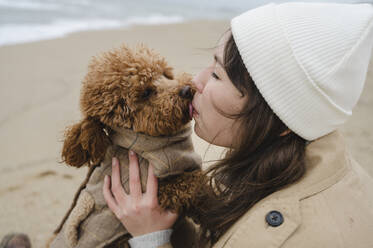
(186, 92)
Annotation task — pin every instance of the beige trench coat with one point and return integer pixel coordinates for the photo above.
(331, 206)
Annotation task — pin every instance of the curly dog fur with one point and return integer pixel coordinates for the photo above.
(126, 89)
(130, 89)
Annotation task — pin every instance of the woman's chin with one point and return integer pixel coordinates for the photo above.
(197, 130)
(201, 134)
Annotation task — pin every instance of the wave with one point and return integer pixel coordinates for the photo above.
(22, 33)
(27, 5)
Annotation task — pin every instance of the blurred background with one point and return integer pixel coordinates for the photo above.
(30, 20)
(45, 47)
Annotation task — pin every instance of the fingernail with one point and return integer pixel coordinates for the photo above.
(113, 161)
(106, 178)
(132, 153)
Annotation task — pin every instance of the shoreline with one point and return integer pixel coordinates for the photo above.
(124, 27)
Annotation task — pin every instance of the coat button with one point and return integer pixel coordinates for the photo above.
(274, 218)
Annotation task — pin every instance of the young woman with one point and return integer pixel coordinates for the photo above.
(282, 80)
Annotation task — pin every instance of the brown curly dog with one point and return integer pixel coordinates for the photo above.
(129, 100)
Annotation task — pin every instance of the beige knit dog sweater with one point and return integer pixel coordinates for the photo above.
(91, 223)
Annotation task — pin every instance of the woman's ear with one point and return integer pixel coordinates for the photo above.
(85, 143)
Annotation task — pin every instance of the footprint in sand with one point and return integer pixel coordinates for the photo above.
(38, 176)
(45, 174)
(52, 173)
(67, 176)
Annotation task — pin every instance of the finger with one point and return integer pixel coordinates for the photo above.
(135, 184)
(110, 201)
(116, 186)
(152, 185)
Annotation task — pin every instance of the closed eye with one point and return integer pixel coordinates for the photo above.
(214, 75)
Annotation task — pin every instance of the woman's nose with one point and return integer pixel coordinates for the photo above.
(199, 81)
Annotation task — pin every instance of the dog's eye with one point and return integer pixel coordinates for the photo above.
(147, 93)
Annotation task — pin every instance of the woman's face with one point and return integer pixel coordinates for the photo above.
(215, 92)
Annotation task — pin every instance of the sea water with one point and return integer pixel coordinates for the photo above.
(31, 20)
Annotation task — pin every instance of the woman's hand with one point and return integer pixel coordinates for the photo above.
(139, 212)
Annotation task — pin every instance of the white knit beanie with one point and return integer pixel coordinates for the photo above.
(308, 60)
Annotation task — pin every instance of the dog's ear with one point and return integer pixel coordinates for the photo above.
(168, 73)
(85, 143)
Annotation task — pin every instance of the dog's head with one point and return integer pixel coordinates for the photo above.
(136, 89)
(127, 88)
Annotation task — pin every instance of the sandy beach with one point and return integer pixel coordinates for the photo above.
(39, 97)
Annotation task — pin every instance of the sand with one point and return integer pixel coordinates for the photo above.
(39, 97)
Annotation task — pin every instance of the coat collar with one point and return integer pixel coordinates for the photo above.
(170, 155)
(326, 163)
(140, 142)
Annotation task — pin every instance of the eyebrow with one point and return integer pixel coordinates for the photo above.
(217, 59)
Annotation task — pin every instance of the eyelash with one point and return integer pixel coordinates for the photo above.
(213, 74)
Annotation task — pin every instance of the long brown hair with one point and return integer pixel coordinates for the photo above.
(263, 162)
